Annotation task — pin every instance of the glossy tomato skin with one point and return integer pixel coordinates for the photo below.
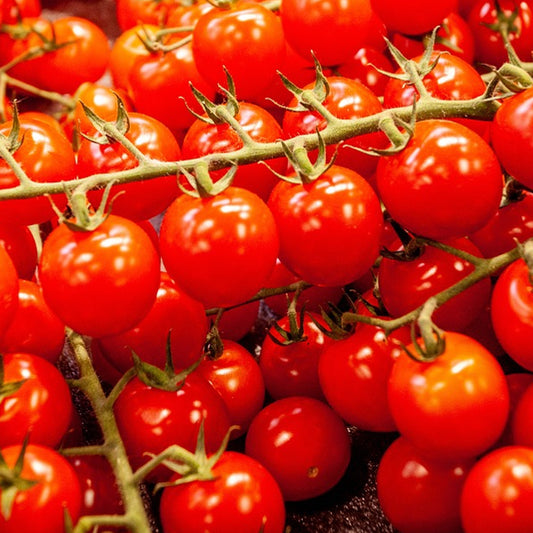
(406, 285)
(512, 313)
(354, 374)
(247, 39)
(328, 28)
(521, 431)
(445, 169)
(151, 419)
(20, 245)
(303, 443)
(512, 138)
(454, 407)
(114, 270)
(490, 506)
(242, 497)
(418, 494)
(292, 370)
(44, 155)
(9, 287)
(139, 200)
(173, 313)
(57, 490)
(203, 138)
(35, 328)
(40, 408)
(223, 267)
(133, 12)
(412, 17)
(347, 99)
(336, 216)
(236, 376)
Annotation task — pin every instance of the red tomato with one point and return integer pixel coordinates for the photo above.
(238, 321)
(56, 491)
(332, 29)
(512, 313)
(35, 328)
(133, 12)
(454, 407)
(41, 408)
(44, 154)
(242, 497)
(519, 424)
(445, 169)
(151, 419)
(204, 138)
(223, 267)
(302, 443)
(316, 220)
(412, 17)
(354, 374)
(244, 37)
(418, 494)
(236, 376)
(113, 270)
(140, 200)
(489, 43)
(9, 287)
(511, 135)
(406, 285)
(20, 245)
(12, 10)
(174, 313)
(292, 370)
(497, 494)
(347, 99)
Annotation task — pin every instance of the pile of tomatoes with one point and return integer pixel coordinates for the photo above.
(175, 187)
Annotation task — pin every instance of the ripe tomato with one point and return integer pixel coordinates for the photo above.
(222, 249)
(316, 220)
(511, 135)
(238, 321)
(57, 491)
(445, 169)
(244, 37)
(497, 495)
(406, 285)
(204, 138)
(520, 420)
(19, 243)
(333, 30)
(303, 443)
(418, 494)
(174, 313)
(35, 328)
(113, 270)
(151, 419)
(292, 370)
(236, 376)
(139, 200)
(412, 17)
(512, 312)
(354, 374)
(454, 407)
(9, 287)
(12, 10)
(242, 497)
(133, 12)
(44, 154)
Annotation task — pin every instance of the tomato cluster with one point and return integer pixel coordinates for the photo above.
(239, 270)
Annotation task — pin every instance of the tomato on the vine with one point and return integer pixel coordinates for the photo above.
(21, 247)
(9, 289)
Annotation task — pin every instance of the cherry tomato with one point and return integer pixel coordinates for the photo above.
(35, 328)
(9, 287)
(418, 494)
(133, 12)
(174, 313)
(316, 220)
(512, 312)
(20, 245)
(112, 273)
(445, 169)
(57, 491)
(242, 497)
(236, 376)
(238, 321)
(497, 495)
(246, 38)
(454, 407)
(519, 423)
(329, 28)
(223, 267)
(303, 444)
(12, 10)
